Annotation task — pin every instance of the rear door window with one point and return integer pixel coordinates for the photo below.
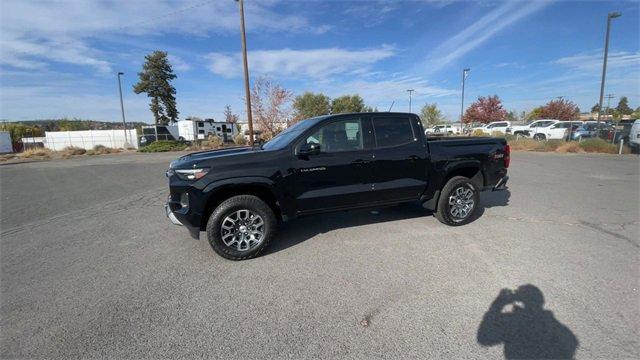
(392, 131)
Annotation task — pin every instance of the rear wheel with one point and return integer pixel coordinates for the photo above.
(458, 201)
(241, 227)
(539, 137)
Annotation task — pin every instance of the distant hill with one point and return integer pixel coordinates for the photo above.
(28, 128)
(74, 124)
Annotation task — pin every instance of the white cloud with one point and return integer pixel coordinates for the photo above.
(480, 31)
(178, 63)
(593, 61)
(314, 63)
(34, 33)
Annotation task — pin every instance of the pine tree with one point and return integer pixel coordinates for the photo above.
(155, 81)
(623, 106)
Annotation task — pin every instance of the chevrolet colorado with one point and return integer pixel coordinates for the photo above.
(332, 162)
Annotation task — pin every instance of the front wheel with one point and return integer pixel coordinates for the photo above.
(539, 137)
(241, 227)
(458, 202)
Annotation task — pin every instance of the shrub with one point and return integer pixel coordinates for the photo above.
(36, 152)
(599, 146)
(164, 145)
(523, 144)
(72, 150)
(550, 145)
(479, 132)
(240, 140)
(215, 141)
(497, 134)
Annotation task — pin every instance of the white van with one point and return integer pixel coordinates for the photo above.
(634, 136)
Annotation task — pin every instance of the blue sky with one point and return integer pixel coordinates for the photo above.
(60, 58)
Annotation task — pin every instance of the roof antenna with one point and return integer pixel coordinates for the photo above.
(393, 102)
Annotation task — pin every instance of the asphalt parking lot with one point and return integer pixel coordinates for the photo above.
(92, 268)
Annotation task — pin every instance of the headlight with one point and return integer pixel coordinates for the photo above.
(191, 174)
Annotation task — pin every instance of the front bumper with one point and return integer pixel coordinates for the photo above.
(193, 231)
(502, 183)
(171, 216)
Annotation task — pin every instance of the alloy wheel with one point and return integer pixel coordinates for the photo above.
(242, 230)
(461, 202)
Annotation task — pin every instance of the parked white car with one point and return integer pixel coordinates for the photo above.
(531, 128)
(557, 131)
(444, 129)
(634, 136)
(491, 127)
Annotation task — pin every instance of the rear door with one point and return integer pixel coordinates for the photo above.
(340, 175)
(400, 158)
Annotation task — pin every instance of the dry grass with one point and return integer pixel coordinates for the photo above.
(70, 151)
(570, 147)
(598, 146)
(39, 153)
(102, 150)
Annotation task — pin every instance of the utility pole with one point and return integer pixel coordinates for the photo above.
(611, 15)
(465, 73)
(410, 91)
(609, 97)
(124, 123)
(246, 71)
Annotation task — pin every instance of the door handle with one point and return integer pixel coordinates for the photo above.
(360, 162)
(413, 158)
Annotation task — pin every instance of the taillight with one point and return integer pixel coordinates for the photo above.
(507, 156)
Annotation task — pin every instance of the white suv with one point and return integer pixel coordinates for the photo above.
(532, 128)
(559, 130)
(501, 126)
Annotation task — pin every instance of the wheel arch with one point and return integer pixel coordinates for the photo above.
(223, 190)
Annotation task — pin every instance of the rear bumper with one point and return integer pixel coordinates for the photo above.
(502, 183)
(193, 231)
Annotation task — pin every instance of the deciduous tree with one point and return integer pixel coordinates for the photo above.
(560, 109)
(431, 115)
(310, 104)
(270, 107)
(229, 116)
(155, 81)
(485, 110)
(347, 104)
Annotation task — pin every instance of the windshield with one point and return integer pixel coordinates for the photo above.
(291, 133)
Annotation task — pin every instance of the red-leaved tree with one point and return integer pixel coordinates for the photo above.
(560, 109)
(485, 110)
(270, 107)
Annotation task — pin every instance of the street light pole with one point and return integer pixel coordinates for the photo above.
(410, 91)
(611, 15)
(246, 71)
(465, 72)
(124, 123)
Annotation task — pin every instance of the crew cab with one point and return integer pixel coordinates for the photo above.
(444, 129)
(328, 163)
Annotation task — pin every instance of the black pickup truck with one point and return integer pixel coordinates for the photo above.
(327, 163)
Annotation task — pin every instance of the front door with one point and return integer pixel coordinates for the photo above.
(340, 174)
(400, 164)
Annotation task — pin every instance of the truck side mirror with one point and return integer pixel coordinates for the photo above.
(309, 149)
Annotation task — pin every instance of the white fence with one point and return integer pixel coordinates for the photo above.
(87, 139)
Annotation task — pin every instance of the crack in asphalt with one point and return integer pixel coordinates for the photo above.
(599, 227)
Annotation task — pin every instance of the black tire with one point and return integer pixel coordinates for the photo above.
(539, 137)
(443, 209)
(229, 208)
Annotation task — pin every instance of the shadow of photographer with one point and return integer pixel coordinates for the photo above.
(527, 330)
(304, 228)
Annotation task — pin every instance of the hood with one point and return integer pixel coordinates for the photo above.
(191, 159)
